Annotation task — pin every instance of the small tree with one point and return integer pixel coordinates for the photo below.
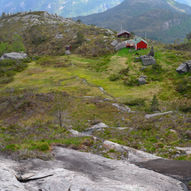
(62, 102)
(154, 104)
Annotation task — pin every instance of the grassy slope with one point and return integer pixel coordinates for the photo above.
(35, 117)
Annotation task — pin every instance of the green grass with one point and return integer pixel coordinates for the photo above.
(32, 106)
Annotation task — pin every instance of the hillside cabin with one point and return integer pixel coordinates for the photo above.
(137, 44)
(124, 34)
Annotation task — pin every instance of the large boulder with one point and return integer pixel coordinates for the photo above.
(77, 171)
(14, 56)
(184, 67)
(147, 60)
(120, 45)
(114, 43)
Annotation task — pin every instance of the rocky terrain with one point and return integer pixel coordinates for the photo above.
(75, 171)
(79, 113)
(41, 33)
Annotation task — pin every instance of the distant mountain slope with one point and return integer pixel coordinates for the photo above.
(66, 8)
(187, 2)
(164, 20)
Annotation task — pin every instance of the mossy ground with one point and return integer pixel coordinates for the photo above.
(70, 86)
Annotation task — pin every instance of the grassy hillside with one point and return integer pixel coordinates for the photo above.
(41, 33)
(57, 93)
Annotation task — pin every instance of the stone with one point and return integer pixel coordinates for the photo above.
(114, 43)
(187, 150)
(99, 126)
(120, 45)
(59, 36)
(184, 67)
(142, 80)
(14, 56)
(78, 134)
(147, 60)
(151, 53)
(123, 108)
(77, 171)
(148, 116)
(67, 52)
(120, 107)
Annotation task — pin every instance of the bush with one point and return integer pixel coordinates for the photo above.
(124, 71)
(131, 81)
(114, 77)
(8, 68)
(154, 104)
(135, 102)
(41, 146)
(183, 86)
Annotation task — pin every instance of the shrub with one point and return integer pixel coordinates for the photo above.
(124, 71)
(154, 104)
(135, 102)
(183, 86)
(41, 146)
(8, 68)
(114, 77)
(131, 81)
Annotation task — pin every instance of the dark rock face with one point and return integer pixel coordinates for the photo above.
(151, 53)
(180, 170)
(184, 67)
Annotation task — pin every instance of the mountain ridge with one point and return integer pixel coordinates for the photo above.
(162, 20)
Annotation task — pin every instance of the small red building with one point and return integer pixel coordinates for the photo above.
(124, 34)
(137, 44)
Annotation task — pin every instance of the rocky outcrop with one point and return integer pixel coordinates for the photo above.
(148, 116)
(77, 171)
(120, 45)
(123, 108)
(14, 56)
(184, 67)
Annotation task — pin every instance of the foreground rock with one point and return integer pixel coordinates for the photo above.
(184, 67)
(14, 56)
(180, 170)
(77, 171)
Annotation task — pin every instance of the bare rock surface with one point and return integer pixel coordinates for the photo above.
(77, 171)
(14, 56)
(184, 67)
(133, 154)
(148, 116)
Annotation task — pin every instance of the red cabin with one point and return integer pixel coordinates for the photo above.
(137, 44)
(141, 45)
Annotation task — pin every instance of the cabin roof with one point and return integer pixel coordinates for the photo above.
(136, 40)
(123, 32)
